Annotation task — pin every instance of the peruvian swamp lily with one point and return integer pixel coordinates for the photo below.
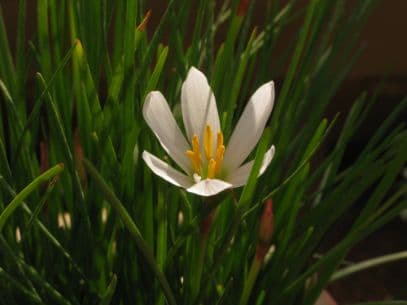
(209, 166)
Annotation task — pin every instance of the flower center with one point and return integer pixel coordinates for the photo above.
(210, 167)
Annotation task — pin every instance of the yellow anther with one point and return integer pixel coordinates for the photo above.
(211, 168)
(195, 144)
(195, 155)
(214, 163)
(220, 151)
(219, 139)
(208, 142)
(196, 161)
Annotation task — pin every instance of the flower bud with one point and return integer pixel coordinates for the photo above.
(265, 230)
(78, 51)
(142, 26)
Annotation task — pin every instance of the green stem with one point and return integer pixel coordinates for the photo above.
(203, 242)
(196, 281)
(19, 198)
(251, 279)
(227, 241)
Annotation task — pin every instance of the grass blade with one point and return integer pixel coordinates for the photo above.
(133, 229)
(370, 263)
(36, 183)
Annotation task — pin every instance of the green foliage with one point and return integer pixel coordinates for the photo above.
(108, 231)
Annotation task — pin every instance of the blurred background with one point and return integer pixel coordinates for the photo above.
(384, 59)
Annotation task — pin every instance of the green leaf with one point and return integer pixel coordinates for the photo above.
(7, 71)
(248, 190)
(108, 295)
(35, 184)
(133, 229)
(152, 83)
(367, 264)
(20, 288)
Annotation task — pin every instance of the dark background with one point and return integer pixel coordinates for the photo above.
(385, 40)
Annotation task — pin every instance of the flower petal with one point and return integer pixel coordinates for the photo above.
(209, 187)
(199, 106)
(239, 176)
(159, 117)
(249, 127)
(165, 171)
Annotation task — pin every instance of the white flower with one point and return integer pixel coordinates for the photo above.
(209, 166)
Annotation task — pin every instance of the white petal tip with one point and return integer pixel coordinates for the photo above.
(209, 187)
(196, 75)
(194, 70)
(269, 86)
(272, 150)
(165, 171)
(239, 177)
(250, 126)
(159, 118)
(268, 157)
(151, 96)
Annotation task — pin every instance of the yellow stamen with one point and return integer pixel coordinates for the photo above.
(195, 145)
(208, 142)
(196, 162)
(220, 151)
(214, 164)
(219, 139)
(195, 155)
(211, 168)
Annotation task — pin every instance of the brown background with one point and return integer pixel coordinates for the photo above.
(385, 37)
